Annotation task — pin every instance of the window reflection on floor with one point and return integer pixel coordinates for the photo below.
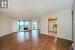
(22, 36)
(35, 35)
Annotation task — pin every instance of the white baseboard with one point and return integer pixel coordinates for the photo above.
(3, 34)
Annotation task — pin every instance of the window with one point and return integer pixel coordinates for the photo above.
(34, 25)
(23, 25)
(26, 24)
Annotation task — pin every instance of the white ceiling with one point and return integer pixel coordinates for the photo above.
(35, 8)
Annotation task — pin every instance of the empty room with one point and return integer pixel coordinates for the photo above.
(37, 24)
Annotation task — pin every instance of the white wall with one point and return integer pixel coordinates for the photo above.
(74, 30)
(0, 22)
(14, 25)
(5, 24)
(74, 24)
(64, 23)
(44, 25)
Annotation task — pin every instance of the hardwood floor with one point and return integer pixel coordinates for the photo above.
(32, 40)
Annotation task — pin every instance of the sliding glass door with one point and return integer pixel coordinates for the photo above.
(26, 24)
(23, 25)
(34, 25)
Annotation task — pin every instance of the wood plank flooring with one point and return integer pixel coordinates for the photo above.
(33, 40)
